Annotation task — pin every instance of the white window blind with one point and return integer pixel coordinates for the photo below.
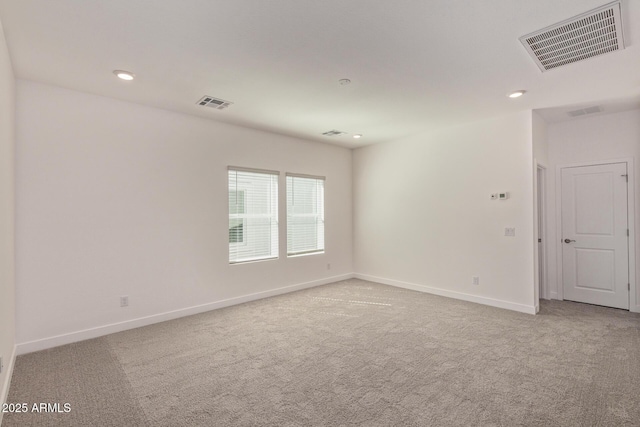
(305, 215)
(253, 215)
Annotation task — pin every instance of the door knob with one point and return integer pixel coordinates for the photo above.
(568, 241)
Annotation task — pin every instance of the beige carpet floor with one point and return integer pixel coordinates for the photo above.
(348, 353)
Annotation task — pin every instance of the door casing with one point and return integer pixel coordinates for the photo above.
(541, 222)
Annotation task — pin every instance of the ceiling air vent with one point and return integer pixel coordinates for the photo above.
(211, 102)
(334, 133)
(593, 33)
(585, 111)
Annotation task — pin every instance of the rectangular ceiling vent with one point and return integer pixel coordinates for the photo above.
(334, 133)
(211, 102)
(585, 111)
(593, 33)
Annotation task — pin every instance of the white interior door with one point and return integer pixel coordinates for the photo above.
(595, 251)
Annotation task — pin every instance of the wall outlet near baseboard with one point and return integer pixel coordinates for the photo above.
(475, 280)
(124, 301)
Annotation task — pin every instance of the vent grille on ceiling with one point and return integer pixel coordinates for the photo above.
(593, 33)
(211, 102)
(334, 133)
(584, 111)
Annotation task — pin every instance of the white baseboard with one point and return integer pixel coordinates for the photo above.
(529, 309)
(4, 392)
(58, 340)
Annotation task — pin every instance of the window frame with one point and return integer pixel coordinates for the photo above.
(274, 201)
(320, 215)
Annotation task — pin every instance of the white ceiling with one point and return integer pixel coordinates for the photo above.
(415, 65)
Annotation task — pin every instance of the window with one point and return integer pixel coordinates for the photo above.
(253, 215)
(305, 215)
(236, 225)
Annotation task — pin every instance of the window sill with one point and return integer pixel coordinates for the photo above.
(305, 254)
(247, 261)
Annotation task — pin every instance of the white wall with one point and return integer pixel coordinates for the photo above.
(587, 139)
(7, 283)
(119, 199)
(540, 139)
(424, 219)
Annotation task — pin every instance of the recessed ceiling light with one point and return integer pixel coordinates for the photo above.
(357, 136)
(344, 82)
(124, 75)
(517, 93)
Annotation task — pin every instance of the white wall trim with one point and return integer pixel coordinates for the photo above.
(542, 292)
(4, 394)
(634, 303)
(529, 309)
(537, 294)
(58, 340)
(559, 294)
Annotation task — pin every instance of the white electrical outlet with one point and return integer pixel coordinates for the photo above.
(475, 280)
(510, 232)
(124, 301)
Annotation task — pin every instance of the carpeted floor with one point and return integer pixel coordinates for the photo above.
(349, 353)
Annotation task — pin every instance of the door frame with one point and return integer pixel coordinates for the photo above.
(540, 219)
(634, 304)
